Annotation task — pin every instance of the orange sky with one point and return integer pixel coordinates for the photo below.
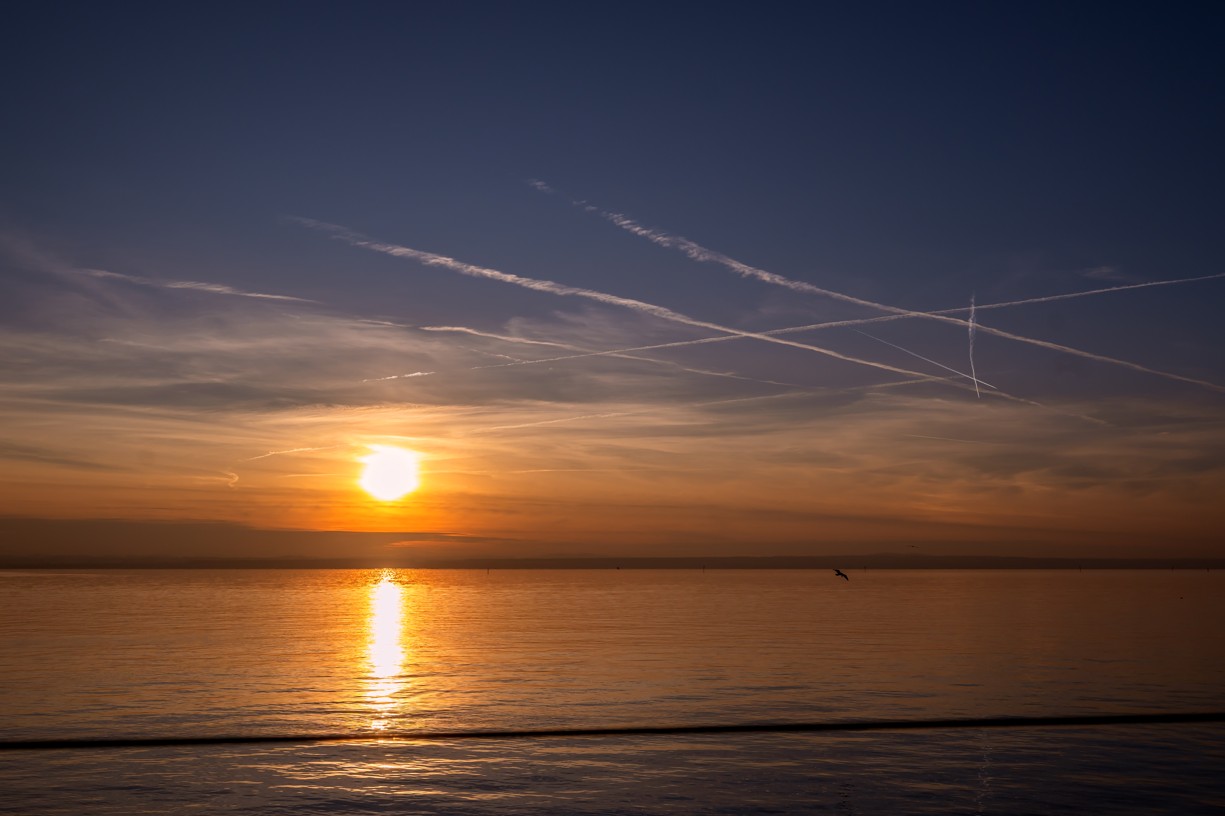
(805, 473)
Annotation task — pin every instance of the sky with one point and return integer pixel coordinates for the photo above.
(633, 279)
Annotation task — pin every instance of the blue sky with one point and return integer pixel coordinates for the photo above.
(170, 315)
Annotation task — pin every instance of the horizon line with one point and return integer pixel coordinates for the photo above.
(723, 562)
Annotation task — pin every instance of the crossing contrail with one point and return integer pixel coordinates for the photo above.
(700, 253)
(552, 287)
(921, 378)
(849, 323)
(583, 351)
(973, 321)
(929, 360)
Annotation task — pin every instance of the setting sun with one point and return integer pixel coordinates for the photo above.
(390, 472)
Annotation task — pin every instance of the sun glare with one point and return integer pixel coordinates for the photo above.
(390, 472)
(386, 651)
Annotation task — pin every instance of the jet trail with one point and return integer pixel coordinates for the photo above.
(929, 360)
(421, 374)
(973, 321)
(200, 286)
(503, 337)
(582, 351)
(552, 287)
(701, 253)
(291, 450)
(920, 377)
(1086, 293)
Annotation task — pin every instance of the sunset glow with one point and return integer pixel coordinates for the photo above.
(390, 473)
(865, 314)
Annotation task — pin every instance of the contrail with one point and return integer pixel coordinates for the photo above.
(861, 321)
(484, 353)
(933, 362)
(200, 286)
(1101, 358)
(1086, 293)
(723, 338)
(506, 338)
(920, 377)
(798, 392)
(291, 450)
(552, 287)
(422, 374)
(760, 397)
(551, 421)
(951, 439)
(973, 321)
(582, 352)
(700, 253)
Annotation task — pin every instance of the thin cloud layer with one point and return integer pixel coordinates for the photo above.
(577, 431)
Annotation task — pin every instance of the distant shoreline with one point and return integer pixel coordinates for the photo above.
(852, 562)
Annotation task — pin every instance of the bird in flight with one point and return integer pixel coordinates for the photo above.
(841, 574)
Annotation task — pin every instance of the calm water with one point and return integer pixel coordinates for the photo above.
(149, 653)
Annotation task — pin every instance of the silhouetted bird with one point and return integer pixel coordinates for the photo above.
(841, 574)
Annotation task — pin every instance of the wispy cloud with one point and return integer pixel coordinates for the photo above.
(199, 286)
(152, 405)
(46, 455)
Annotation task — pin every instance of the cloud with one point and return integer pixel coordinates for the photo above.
(144, 403)
(47, 456)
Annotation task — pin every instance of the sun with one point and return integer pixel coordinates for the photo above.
(390, 472)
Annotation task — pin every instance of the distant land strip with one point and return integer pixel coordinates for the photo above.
(1081, 720)
(784, 562)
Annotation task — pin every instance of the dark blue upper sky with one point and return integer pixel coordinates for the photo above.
(907, 154)
(891, 140)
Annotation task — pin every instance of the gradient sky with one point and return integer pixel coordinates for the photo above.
(241, 243)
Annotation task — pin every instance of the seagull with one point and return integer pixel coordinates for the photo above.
(841, 574)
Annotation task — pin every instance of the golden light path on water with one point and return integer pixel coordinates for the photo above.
(386, 650)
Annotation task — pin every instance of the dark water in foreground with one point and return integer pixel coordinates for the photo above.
(175, 653)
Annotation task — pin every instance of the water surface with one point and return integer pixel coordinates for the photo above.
(153, 653)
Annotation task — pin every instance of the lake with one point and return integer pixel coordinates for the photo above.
(148, 653)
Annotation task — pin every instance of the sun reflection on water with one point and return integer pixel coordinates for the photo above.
(386, 652)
